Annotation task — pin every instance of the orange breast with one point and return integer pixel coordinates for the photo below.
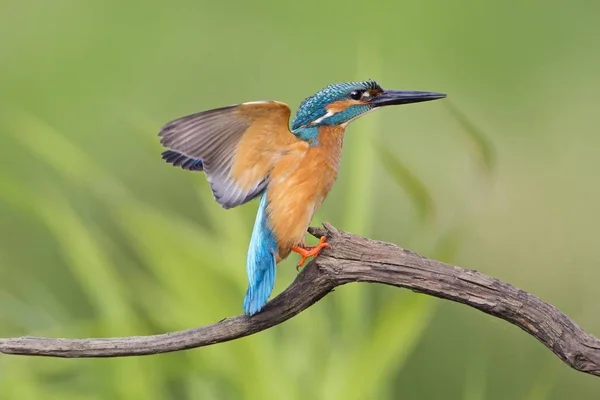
(299, 183)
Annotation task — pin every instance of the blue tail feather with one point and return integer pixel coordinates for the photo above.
(261, 263)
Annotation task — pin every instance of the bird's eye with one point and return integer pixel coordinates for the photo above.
(356, 94)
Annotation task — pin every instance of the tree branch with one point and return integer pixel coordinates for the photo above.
(353, 259)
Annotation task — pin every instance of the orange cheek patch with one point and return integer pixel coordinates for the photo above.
(338, 106)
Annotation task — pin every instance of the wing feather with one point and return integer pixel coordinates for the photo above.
(235, 146)
(183, 161)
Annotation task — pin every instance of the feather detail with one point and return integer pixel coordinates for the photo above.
(236, 146)
(261, 262)
(181, 160)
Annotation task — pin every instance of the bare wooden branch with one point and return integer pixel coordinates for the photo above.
(353, 259)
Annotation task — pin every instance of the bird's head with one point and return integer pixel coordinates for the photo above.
(340, 103)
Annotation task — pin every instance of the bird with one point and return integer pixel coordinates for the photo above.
(248, 151)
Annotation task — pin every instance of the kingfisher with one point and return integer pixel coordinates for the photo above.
(248, 151)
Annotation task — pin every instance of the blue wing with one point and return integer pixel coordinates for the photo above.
(261, 263)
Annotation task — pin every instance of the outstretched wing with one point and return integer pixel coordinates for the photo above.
(235, 146)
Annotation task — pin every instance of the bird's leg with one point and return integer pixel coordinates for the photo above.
(310, 251)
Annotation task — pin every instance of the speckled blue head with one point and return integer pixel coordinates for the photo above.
(340, 103)
(313, 111)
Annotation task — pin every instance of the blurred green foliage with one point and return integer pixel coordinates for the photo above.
(101, 238)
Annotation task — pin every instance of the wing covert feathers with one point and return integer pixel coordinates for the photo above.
(236, 146)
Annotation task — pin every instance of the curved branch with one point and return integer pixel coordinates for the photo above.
(354, 259)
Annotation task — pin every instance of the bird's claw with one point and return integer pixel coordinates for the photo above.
(310, 251)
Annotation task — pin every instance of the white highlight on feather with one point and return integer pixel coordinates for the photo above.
(256, 102)
(329, 114)
(264, 102)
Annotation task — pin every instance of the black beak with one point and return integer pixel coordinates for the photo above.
(392, 97)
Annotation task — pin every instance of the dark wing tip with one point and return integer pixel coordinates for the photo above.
(183, 161)
(168, 133)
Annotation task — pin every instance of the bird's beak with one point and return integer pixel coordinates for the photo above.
(391, 97)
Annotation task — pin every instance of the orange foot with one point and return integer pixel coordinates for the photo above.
(310, 251)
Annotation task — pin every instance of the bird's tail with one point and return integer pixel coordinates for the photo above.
(261, 263)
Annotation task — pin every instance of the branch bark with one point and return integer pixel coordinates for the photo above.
(353, 259)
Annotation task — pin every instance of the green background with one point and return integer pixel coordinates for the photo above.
(101, 238)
